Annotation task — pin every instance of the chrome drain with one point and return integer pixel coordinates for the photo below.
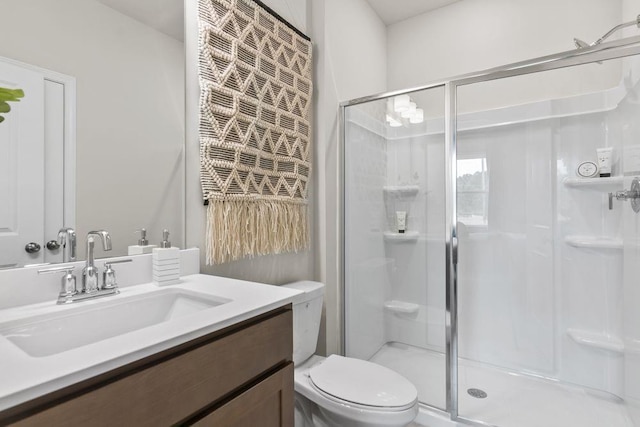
(477, 393)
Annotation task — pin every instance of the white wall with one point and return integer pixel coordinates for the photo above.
(130, 116)
(356, 49)
(350, 62)
(474, 35)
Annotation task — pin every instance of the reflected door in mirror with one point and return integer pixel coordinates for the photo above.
(22, 168)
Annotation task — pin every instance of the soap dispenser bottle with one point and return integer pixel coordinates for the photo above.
(166, 262)
(143, 246)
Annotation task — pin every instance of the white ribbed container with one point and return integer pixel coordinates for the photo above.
(166, 266)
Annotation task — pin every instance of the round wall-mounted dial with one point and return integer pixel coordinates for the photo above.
(587, 169)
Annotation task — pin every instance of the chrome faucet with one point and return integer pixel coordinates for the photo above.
(67, 238)
(633, 195)
(90, 273)
(90, 286)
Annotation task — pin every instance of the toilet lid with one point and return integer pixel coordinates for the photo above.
(362, 382)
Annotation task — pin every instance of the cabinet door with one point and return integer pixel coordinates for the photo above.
(176, 389)
(267, 404)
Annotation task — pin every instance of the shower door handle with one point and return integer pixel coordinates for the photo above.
(454, 250)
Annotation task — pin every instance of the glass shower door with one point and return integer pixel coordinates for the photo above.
(541, 323)
(394, 230)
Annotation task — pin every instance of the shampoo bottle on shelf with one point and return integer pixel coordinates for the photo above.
(401, 221)
(605, 161)
(143, 246)
(166, 262)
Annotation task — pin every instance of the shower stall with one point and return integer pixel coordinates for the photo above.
(483, 256)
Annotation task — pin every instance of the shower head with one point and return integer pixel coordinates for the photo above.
(581, 44)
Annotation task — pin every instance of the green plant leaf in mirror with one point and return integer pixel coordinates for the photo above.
(6, 96)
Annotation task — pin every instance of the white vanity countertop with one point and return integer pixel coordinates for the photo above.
(23, 377)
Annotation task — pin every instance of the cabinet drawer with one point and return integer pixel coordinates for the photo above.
(267, 404)
(171, 391)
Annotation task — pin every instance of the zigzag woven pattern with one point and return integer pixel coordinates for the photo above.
(255, 136)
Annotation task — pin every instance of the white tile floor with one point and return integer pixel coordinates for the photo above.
(512, 400)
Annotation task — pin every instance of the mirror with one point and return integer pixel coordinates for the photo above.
(97, 141)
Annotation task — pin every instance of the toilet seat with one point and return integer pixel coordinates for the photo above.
(363, 384)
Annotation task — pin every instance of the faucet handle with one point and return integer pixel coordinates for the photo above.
(119, 261)
(610, 201)
(109, 274)
(632, 194)
(68, 286)
(58, 269)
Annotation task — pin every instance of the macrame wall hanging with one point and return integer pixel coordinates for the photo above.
(255, 137)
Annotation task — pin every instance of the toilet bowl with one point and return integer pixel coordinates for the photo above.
(342, 391)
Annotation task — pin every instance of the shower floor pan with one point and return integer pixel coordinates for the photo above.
(511, 400)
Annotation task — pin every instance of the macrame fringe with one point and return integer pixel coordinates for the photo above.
(246, 228)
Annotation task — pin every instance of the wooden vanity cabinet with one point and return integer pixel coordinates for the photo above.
(239, 376)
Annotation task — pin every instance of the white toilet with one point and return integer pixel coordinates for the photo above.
(341, 391)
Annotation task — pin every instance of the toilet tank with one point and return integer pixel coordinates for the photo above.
(307, 311)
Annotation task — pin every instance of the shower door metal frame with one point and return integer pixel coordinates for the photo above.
(629, 46)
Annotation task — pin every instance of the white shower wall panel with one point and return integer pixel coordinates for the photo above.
(417, 158)
(417, 263)
(589, 280)
(368, 268)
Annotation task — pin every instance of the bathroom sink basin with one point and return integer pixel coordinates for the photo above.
(56, 332)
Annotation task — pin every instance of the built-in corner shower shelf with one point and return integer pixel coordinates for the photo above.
(603, 184)
(597, 340)
(591, 242)
(407, 237)
(401, 307)
(401, 190)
